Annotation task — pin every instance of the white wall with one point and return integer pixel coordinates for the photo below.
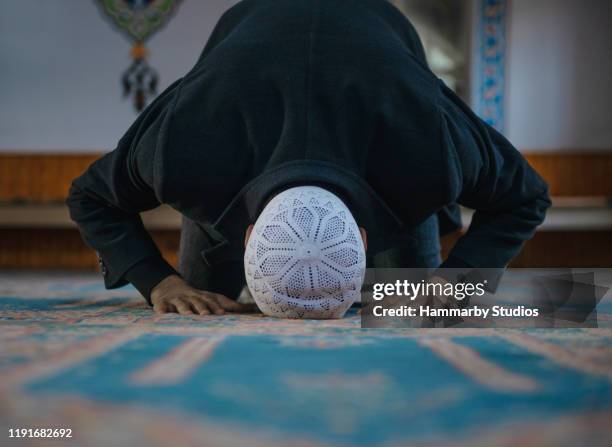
(559, 74)
(61, 64)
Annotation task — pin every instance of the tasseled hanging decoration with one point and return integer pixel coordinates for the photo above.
(139, 80)
(139, 20)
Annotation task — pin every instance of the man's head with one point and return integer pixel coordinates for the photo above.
(305, 255)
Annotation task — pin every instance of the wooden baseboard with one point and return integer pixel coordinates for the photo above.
(567, 249)
(22, 248)
(64, 249)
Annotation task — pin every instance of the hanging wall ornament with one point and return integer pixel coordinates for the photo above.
(139, 20)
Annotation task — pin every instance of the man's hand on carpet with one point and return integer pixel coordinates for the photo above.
(174, 295)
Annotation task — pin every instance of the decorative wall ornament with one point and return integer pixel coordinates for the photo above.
(490, 59)
(139, 20)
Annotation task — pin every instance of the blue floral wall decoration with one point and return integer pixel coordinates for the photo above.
(490, 60)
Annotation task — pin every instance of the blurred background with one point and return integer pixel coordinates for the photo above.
(538, 70)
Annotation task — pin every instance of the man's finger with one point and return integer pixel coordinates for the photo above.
(161, 307)
(182, 307)
(199, 306)
(213, 305)
(171, 308)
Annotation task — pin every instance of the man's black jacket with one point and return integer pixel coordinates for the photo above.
(331, 92)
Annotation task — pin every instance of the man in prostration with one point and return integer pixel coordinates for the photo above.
(303, 118)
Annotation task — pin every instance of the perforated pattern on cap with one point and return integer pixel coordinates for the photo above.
(305, 257)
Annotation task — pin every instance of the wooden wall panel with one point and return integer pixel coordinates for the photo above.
(575, 173)
(40, 177)
(47, 177)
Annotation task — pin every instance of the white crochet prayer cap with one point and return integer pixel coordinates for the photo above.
(305, 257)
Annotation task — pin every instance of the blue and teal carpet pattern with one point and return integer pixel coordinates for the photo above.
(73, 355)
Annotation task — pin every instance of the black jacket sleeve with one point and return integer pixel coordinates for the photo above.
(106, 200)
(509, 198)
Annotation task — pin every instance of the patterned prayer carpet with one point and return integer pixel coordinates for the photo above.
(101, 363)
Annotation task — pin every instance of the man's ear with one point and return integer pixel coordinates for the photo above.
(247, 235)
(364, 237)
